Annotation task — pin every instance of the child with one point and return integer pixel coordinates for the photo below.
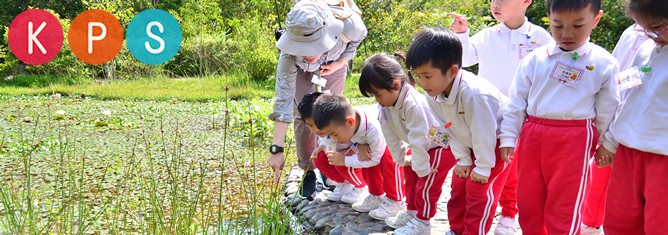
(636, 202)
(594, 206)
(334, 115)
(498, 50)
(346, 178)
(406, 120)
(473, 107)
(562, 97)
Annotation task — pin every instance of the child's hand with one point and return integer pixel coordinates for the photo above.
(336, 159)
(433, 170)
(462, 171)
(316, 151)
(459, 23)
(507, 154)
(475, 177)
(603, 157)
(364, 152)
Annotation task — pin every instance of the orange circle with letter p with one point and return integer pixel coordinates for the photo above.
(95, 36)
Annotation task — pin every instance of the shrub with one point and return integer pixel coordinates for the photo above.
(203, 55)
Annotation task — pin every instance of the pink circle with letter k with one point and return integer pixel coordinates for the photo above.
(35, 36)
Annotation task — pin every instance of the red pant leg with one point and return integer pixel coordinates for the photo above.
(482, 199)
(411, 192)
(429, 188)
(637, 201)
(593, 210)
(457, 204)
(328, 170)
(393, 177)
(531, 186)
(508, 199)
(565, 148)
(339, 173)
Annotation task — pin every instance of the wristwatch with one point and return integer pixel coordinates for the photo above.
(274, 149)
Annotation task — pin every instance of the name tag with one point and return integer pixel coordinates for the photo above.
(525, 49)
(566, 74)
(439, 136)
(319, 81)
(628, 78)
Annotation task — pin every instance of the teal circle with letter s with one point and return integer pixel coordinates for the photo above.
(153, 36)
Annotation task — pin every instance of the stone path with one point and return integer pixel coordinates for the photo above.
(323, 217)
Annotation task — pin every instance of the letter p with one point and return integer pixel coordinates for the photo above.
(92, 37)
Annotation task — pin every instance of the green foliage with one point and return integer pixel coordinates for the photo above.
(37, 81)
(257, 54)
(203, 55)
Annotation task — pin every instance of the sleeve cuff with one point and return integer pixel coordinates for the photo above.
(464, 163)
(508, 142)
(281, 117)
(483, 171)
(610, 146)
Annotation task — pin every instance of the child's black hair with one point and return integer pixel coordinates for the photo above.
(331, 109)
(644, 9)
(572, 5)
(438, 46)
(305, 107)
(380, 71)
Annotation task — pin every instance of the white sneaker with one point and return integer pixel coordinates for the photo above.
(506, 226)
(586, 230)
(414, 227)
(355, 195)
(371, 202)
(340, 190)
(401, 219)
(389, 208)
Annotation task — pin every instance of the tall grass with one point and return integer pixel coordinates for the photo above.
(63, 181)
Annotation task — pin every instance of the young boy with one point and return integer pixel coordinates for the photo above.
(636, 201)
(474, 107)
(594, 206)
(562, 97)
(346, 178)
(334, 115)
(498, 50)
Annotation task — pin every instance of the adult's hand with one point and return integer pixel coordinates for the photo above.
(328, 69)
(276, 162)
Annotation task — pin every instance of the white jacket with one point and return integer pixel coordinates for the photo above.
(409, 121)
(474, 107)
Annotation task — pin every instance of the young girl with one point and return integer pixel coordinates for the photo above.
(636, 201)
(406, 121)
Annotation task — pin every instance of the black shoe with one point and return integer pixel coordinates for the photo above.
(324, 183)
(308, 186)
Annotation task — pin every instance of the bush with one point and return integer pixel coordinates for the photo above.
(203, 55)
(36, 81)
(257, 54)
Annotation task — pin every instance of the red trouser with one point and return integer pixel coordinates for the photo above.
(638, 196)
(594, 208)
(472, 205)
(553, 173)
(508, 199)
(422, 193)
(385, 178)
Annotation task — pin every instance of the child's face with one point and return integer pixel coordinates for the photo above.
(341, 133)
(503, 10)
(655, 28)
(570, 29)
(385, 97)
(433, 80)
(311, 125)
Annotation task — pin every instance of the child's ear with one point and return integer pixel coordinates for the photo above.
(453, 70)
(396, 84)
(527, 3)
(350, 120)
(598, 17)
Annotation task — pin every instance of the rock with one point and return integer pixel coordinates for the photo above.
(338, 230)
(291, 189)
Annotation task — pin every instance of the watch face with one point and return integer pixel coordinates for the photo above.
(272, 149)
